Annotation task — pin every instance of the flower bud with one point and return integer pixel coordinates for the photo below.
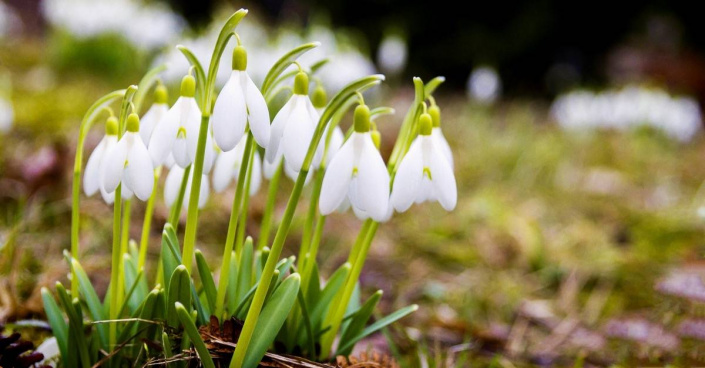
(239, 58)
(319, 98)
(188, 86)
(111, 126)
(161, 96)
(301, 84)
(435, 113)
(376, 138)
(425, 124)
(133, 123)
(361, 119)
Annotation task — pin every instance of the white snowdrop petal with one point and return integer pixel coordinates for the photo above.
(336, 180)
(229, 114)
(150, 119)
(91, 175)
(443, 179)
(408, 178)
(336, 141)
(139, 169)
(172, 185)
(224, 169)
(442, 144)
(297, 136)
(126, 193)
(193, 129)
(205, 192)
(209, 157)
(180, 152)
(162, 140)
(256, 180)
(373, 181)
(277, 129)
(114, 165)
(271, 167)
(108, 198)
(258, 112)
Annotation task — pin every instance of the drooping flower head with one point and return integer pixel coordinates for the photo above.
(155, 113)
(128, 163)
(92, 179)
(172, 186)
(357, 173)
(227, 167)
(240, 102)
(177, 132)
(424, 173)
(293, 127)
(332, 139)
(437, 133)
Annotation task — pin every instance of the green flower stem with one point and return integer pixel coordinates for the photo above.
(124, 239)
(242, 228)
(310, 218)
(207, 94)
(88, 119)
(147, 224)
(115, 269)
(264, 231)
(175, 212)
(313, 252)
(232, 230)
(261, 292)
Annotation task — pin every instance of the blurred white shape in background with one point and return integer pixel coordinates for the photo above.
(9, 21)
(392, 55)
(484, 85)
(679, 117)
(145, 25)
(7, 115)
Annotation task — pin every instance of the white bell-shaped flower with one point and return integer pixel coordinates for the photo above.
(437, 134)
(328, 146)
(227, 167)
(293, 127)
(92, 179)
(155, 113)
(177, 132)
(172, 186)
(240, 101)
(357, 172)
(424, 173)
(128, 163)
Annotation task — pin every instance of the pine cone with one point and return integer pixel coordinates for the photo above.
(18, 353)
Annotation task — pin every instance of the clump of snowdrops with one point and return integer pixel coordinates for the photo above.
(282, 302)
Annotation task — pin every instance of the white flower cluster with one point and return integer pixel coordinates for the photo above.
(145, 25)
(356, 175)
(9, 21)
(679, 117)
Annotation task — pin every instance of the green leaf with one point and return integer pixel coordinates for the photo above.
(179, 291)
(284, 267)
(94, 306)
(138, 289)
(231, 292)
(244, 270)
(336, 281)
(130, 293)
(75, 330)
(272, 318)
(192, 332)
(144, 312)
(307, 324)
(313, 290)
(169, 253)
(359, 321)
(432, 85)
(382, 110)
(280, 66)
(56, 320)
(378, 325)
(206, 279)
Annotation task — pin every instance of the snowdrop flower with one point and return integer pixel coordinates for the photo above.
(92, 180)
(155, 113)
(357, 173)
(484, 85)
(424, 173)
(293, 127)
(128, 163)
(227, 167)
(238, 103)
(177, 132)
(392, 54)
(172, 186)
(437, 134)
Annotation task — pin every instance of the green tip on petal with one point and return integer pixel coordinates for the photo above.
(435, 113)
(133, 123)
(376, 138)
(239, 58)
(188, 86)
(425, 124)
(319, 98)
(161, 95)
(361, 119)
(111, 126)
(301, 84)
